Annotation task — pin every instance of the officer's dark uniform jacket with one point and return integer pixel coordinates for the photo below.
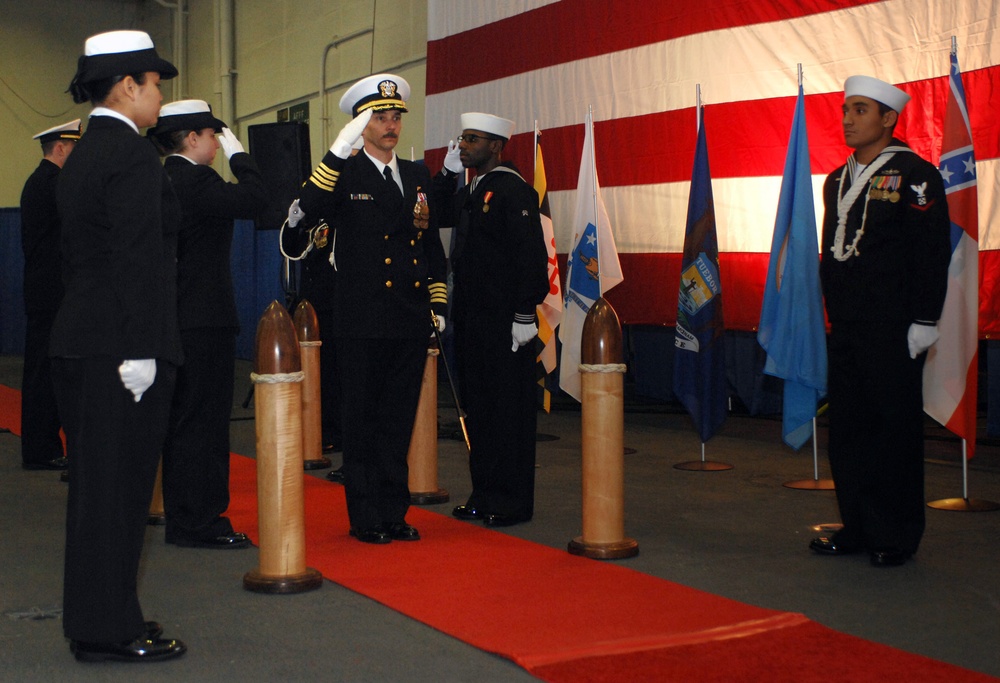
(389, 274)
(43, 288)
(898, 272)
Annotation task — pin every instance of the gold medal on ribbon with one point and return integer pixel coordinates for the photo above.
(421, 212)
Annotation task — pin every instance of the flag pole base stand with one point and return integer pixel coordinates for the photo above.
(703, 466)
(545, 437)
(618, 550)
(308, 580)
(964, 505)
(831, 528)
(320, 463)
(429, 497)
(810, 484)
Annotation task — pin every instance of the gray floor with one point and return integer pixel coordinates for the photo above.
(737, 533)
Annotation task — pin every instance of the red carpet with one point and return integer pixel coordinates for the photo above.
(570, 619)
(564, 618)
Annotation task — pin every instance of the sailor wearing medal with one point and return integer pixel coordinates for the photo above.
(885, 255)
(500, 268)
(388, 275)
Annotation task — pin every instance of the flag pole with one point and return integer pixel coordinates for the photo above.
(963, 504)
(593, 194)
(702, 465)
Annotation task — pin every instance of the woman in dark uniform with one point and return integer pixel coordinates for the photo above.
(115, 344)
(196, 454)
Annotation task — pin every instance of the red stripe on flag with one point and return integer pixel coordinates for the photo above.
(659, 148)
(623, 25)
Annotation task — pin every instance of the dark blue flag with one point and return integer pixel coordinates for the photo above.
(792, 331)
(699, 356)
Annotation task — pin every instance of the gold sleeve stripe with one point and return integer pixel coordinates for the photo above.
(324, 177)
(438, 292)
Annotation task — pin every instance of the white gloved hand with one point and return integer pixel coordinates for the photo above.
(451, 160)
(919, 338)
(522, 334)
(230, 143)
(138, 375)
(349, 134)
(439, 319)
(295, 214)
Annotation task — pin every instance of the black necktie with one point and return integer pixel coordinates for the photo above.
(387, 172)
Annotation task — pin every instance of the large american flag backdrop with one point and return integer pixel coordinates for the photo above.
(639, 63)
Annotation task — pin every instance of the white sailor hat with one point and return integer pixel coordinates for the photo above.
(65, 131)
(116, 53)
(488, 123)
(378, 93)
(880, 91)
(186, 115)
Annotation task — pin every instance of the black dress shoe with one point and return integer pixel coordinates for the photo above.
(827, 546)
(336, 476)
(230, 541)
(59, 463)
(141, 649)
(377, 535)
(402, 531)
(889, 557)
(500, 519)
(467, 512)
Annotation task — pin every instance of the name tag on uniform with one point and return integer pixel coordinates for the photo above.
(362, 197)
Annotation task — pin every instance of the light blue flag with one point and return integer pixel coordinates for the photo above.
(792, 330)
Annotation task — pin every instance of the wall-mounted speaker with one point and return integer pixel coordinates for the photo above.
(281, 150)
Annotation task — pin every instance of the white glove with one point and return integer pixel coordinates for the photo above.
(230, 143)
(295, 214)
(138, 375)
(522, 334)
(920, 338)
(451, 160)
(440, 323)
(349, 134)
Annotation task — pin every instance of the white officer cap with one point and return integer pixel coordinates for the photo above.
(377, 92)
(65, 131)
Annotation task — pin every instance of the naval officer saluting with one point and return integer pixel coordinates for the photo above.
(389, 274)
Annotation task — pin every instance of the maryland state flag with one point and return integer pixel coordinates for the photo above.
(952, 363)
(699, 354)
(550, 310)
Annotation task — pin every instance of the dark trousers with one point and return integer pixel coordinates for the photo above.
(499, 394)
(381, 387)
(196, 452)
(114, 445)
(876, 435)
(40, 425)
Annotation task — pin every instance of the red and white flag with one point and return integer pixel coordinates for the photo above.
(950, 372)
(638, 64)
